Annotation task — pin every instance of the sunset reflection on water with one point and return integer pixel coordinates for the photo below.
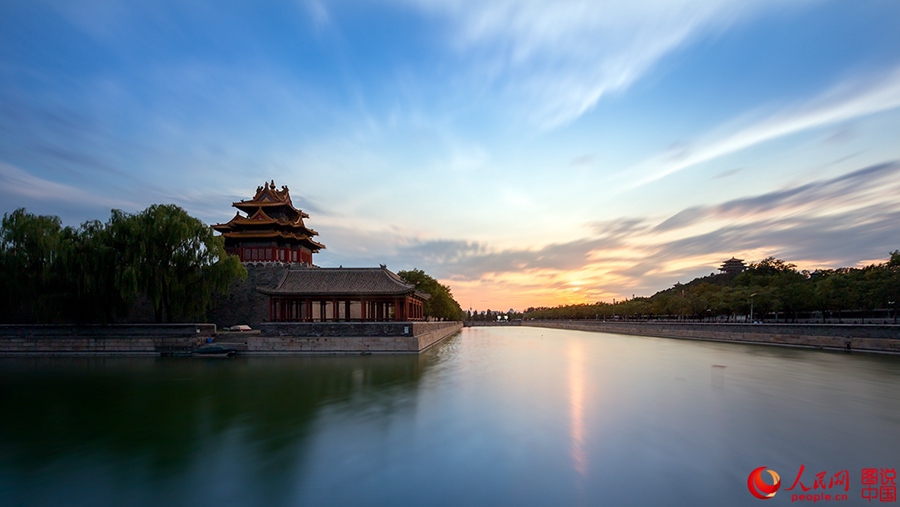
(493, 416)
(576, 389)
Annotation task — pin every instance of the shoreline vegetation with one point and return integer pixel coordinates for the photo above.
(99, 272)
(771, 290)
(96, 272)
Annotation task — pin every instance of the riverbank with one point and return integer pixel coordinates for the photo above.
(182, 339)
(279, 338)
(103, 340)
(882, 338)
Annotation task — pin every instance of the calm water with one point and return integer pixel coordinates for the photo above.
(493, 416)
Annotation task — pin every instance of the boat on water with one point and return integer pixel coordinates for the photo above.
(214, 351)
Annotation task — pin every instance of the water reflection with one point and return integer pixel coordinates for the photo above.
(161, 419)
(576, 389)
(495, 416)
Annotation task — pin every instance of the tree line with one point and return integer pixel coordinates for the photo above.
(95, 272)
(771, 289)
(493, 315)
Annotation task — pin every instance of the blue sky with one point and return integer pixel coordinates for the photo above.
(523, 152)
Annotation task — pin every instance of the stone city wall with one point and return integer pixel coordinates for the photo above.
(349, 337)
(115, 339)
(864, 337)
(243, 304)
(492, 323)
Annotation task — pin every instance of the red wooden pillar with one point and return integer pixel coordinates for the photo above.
(309, 310)
(334, 310)
(322, 310)
(362, 309)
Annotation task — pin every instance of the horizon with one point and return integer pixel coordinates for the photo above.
(522, 154)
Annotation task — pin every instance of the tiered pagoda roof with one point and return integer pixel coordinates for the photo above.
(733, 265)
(270, 216)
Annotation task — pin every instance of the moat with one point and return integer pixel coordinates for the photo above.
(492, 416)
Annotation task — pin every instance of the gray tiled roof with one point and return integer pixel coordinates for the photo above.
(342, 281)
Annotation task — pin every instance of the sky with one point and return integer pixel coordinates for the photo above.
(525, 153)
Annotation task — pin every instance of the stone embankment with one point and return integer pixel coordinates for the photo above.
(348, 337)
(183, 339)
(859, 337)
(100, 340)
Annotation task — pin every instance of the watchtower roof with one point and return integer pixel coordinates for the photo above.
(345, 281)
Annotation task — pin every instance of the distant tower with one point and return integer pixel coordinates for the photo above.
(733, 266)
(271, 231)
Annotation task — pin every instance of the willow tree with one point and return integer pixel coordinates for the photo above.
(177, 262)
(29, 249)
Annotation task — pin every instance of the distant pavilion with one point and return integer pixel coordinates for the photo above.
(733, 266)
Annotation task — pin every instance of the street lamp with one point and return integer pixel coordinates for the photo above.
(751, 307)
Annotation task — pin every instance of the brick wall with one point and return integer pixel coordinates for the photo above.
(118, 339)
(243, 304)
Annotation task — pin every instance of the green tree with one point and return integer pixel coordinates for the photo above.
(93, 274)
(441, 305)
(177, 262)
(29, 249)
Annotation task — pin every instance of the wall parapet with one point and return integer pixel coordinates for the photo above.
(861, 337)
(112, 339)
(349, 337)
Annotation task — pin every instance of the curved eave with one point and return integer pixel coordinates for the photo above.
(244, 228)
(249, 206)
(275, 292)
(245, 235)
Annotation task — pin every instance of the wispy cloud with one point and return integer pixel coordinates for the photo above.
(847, 101)
(18, 186)
(562, 57)
(831, 222)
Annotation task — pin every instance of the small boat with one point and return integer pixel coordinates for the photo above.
(214, 351)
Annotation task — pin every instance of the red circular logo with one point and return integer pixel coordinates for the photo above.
(759, 488)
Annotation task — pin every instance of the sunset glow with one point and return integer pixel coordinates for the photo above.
(524, 153)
